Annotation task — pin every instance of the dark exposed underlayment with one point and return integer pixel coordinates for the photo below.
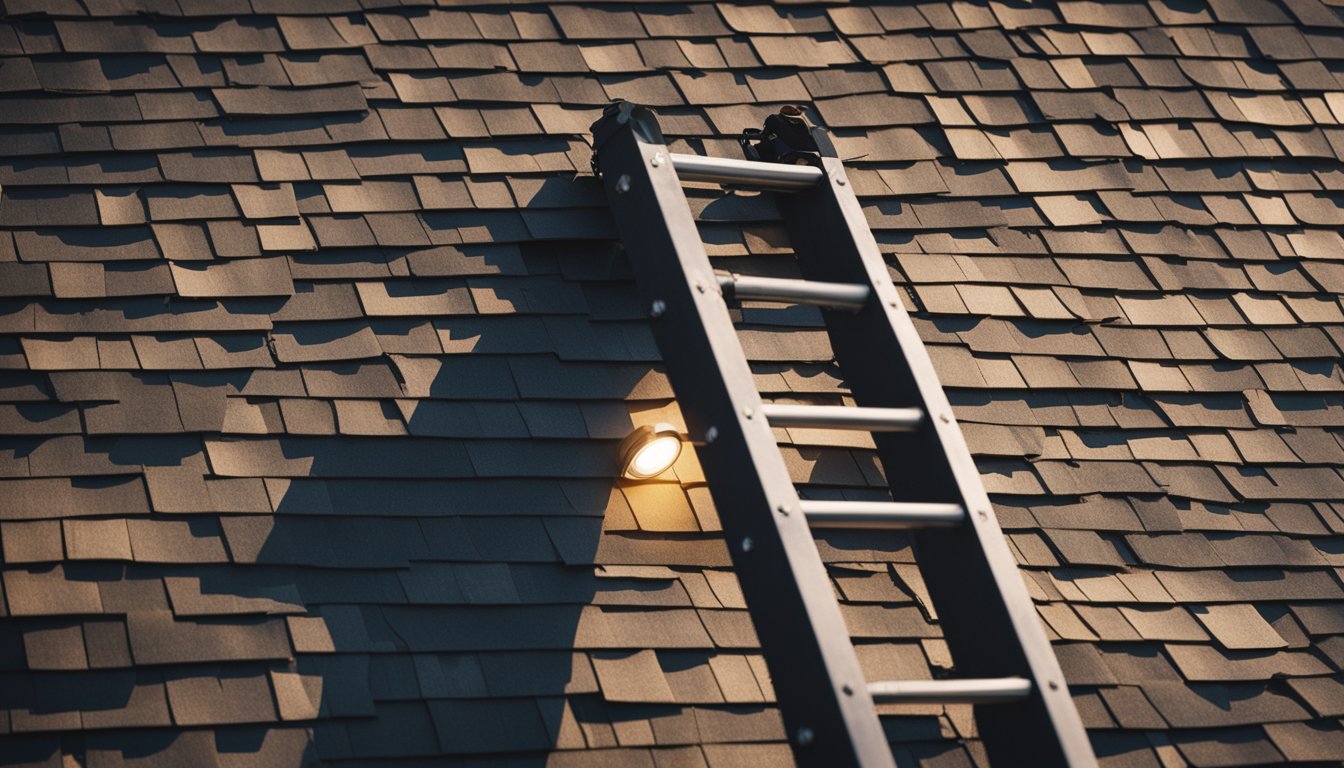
(317, 347)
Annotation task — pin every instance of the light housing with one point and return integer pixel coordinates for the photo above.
(649, 451)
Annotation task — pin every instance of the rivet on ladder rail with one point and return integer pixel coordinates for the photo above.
(658, 308)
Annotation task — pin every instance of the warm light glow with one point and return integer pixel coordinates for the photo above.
(650, 451)
(656, 457)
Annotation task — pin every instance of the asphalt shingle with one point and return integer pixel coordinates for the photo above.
(318, 346)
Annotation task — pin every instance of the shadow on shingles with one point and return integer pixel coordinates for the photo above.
(425, 621)
(108, 238)
(439, 617)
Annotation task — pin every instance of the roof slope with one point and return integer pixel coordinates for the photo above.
(318, 346)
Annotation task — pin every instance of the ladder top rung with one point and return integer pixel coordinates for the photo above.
(979, 691)
(880, 514)
(753, 173)
(818, 292)
(843, 417)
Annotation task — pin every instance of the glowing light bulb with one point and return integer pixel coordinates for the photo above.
(650, 451)
(656, 457)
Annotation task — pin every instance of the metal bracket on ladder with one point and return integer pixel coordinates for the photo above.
(1004, 661)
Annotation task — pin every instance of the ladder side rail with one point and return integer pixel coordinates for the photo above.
(989, 620)
(829, 714)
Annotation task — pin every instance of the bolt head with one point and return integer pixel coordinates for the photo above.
(805, 736)
(623, 184)
(711, 434)
(656, 160)
(658, 308)
(748, 544)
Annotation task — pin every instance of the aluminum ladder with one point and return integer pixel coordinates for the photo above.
(1006, 666)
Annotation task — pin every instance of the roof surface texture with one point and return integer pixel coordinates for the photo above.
(318, 345)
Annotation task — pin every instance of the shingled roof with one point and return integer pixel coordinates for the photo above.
(318, 345)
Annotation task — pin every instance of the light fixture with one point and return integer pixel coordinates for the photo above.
(649, 451)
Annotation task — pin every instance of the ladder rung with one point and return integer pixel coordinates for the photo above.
(843, 417)
(719, 170)
(836, 295)
(880, 514)
(983, 691)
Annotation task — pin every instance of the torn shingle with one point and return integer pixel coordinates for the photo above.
(243, 277)
(598, 23)
(219, 700)
(280, 101)
(1238, 627)
(157, 638)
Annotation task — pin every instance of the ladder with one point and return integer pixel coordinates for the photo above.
(1006, 667)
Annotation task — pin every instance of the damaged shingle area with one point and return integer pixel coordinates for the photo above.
(318, 345)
